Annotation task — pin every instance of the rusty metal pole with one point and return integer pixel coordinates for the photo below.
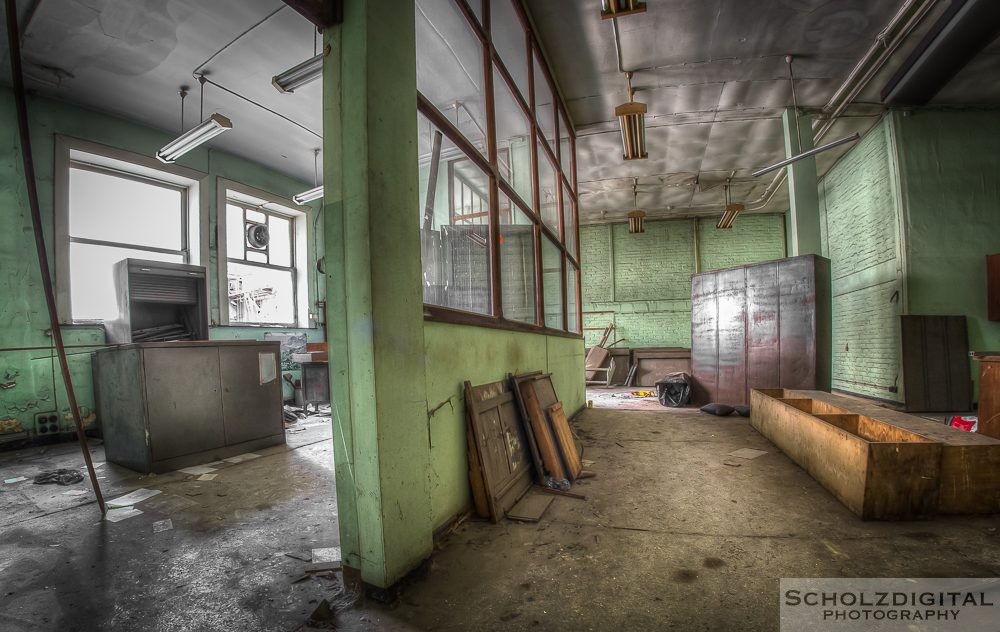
(14, 41)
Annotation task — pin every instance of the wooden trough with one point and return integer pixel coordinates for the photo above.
(882, 464)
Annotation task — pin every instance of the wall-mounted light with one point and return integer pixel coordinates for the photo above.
(732, 210)
(298, 76)
(207, 130)
(314, 193)
(632, 120)
(618, 8)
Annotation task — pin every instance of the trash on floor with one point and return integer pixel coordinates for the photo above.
(197, 470)
(121, 513)
(747, 453)
(674, 390)
(133, 498)
(732, 462)
(329, 554)
(207, 477)
(17, 479)
(964, 422)
(239, 458)
(163, 525)
(58, 477)
(75, 492)
(643, 394)
(324, 617)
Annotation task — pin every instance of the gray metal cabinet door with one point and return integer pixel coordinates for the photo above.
(251, 410)
(185, 409)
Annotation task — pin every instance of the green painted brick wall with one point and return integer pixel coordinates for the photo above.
(859, 211)
(642, 283)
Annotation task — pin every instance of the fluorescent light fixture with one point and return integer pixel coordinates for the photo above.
(618, 8)
(812, 152)
(298, 76)
(635, 221)
(632, 119)
(729, 216)
(308, 196)
(209, 129)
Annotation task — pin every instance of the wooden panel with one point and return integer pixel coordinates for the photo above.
(566, 442)
(596, 358)
(532, 507)
(540, 429)
(875, 480)
(936, 372)
(501, 451)
(989, 396)
(993, 286)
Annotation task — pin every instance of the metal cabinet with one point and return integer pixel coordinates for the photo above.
(168, 405)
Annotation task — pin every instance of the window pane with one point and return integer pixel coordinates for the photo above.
(114, 208)
(517, 262)
(454, 242)
(547, 187)
(92, 286)
(260, 295)
(565, 148)
(235, 232)
(552, 283)
(544, 109)
(450, 67)
(511, 42)
(513, 138)
(569, 221)
(572, 317)
(280, 244)
(256, 216)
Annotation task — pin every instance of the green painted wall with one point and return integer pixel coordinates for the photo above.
(859, 216)
(642, 282)
(456, 353)
(22, 305)
(951, 185)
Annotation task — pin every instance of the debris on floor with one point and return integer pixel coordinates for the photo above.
(16, 479)
(75, 492)
(118, 514)
(324, 617)
(207, 477)
(239, 458)
(329, 554)
(643, 394)
(132, 498)
(747, 453)
(197, 470)
(163, 525)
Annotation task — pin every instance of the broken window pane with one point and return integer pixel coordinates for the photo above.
(261, 295)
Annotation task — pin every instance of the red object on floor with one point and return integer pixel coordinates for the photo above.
(968, 424)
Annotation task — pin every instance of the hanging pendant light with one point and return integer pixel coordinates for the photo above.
(732, 210)
(632, 120)
(196, 136)
(636, 217)
(316, 192)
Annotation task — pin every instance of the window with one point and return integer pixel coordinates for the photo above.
(113, 205)
(497, 209)
(260, 274)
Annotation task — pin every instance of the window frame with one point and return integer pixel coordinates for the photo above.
(76, 153)
(303, 278)
(493, 68)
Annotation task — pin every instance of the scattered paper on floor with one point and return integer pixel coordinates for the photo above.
(239, 458)
(121, 513)
(75, 492)
(330, 554)
(18, 479)
(207, 477)
(133, 497)
(197, 470)
(747, 453)
(163, 525)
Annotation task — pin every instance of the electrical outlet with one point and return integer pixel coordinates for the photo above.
(47, 423)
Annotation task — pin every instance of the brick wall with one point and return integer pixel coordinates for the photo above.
(860, 226)
(642, 283)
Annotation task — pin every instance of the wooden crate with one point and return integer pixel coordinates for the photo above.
(878, 471)
(969, 480)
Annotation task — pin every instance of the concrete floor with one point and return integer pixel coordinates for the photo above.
(669, 537)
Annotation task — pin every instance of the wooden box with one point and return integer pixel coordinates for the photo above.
(878, 471)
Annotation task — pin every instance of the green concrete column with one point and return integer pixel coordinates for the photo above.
(375, 322)
(802, 220)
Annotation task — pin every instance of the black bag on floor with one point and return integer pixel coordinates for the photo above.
(674, 390)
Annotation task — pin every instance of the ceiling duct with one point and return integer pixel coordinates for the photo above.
(961, 33)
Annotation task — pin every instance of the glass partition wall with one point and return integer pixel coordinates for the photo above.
(497, 172)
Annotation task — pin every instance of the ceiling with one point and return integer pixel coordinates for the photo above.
(130, 57)
(715, 78)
